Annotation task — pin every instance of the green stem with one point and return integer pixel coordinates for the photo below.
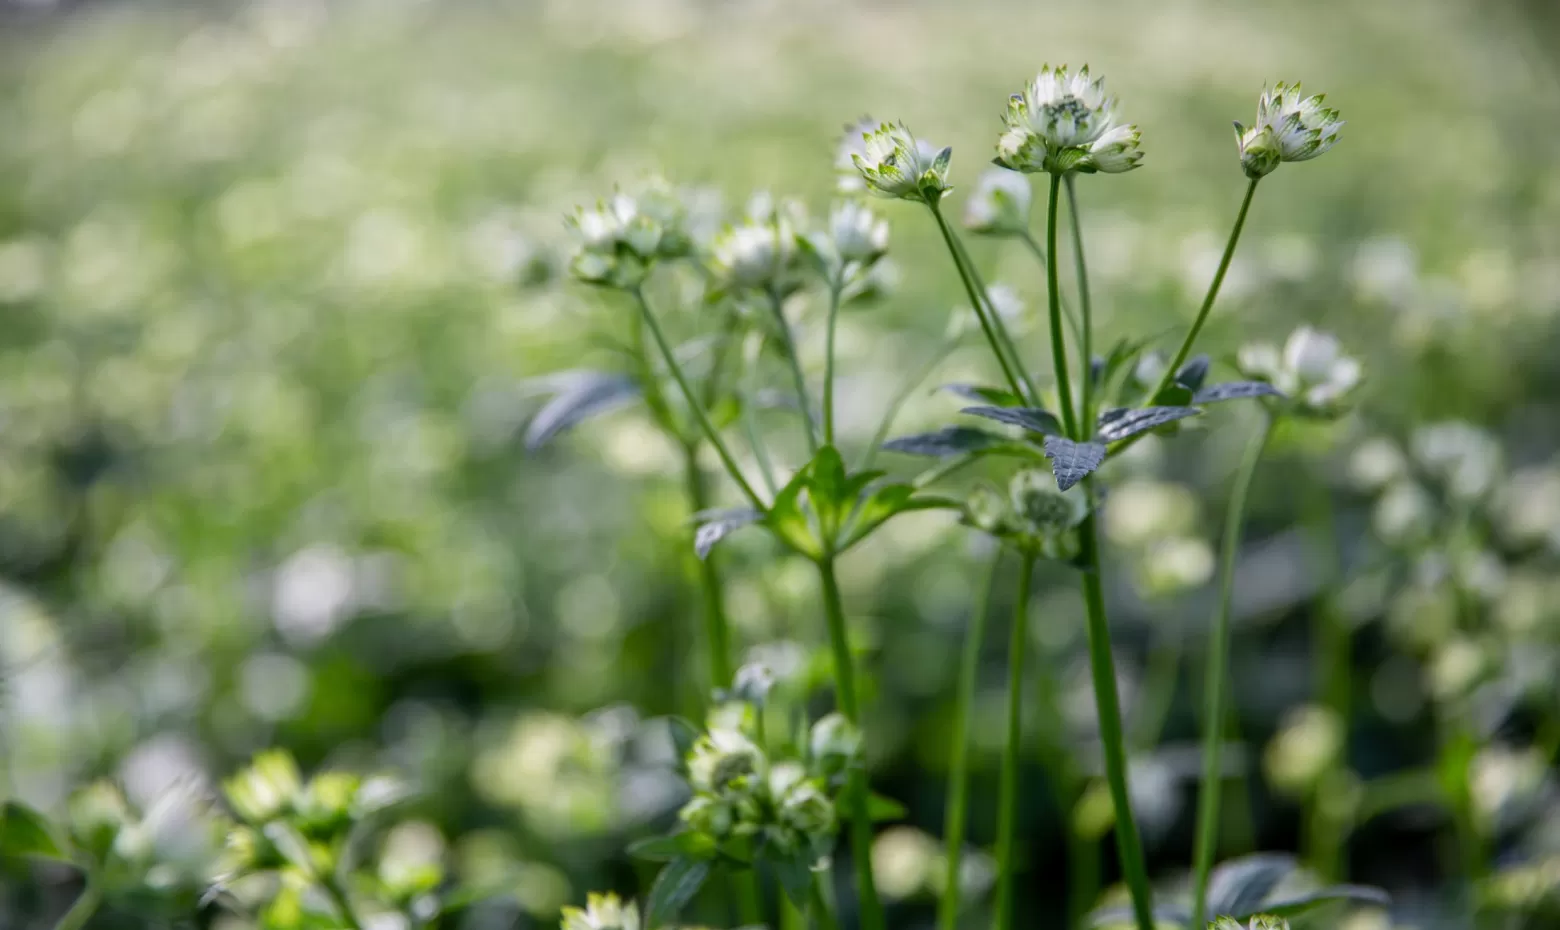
(338, 898)
(845, 694)
(81, 911)
(1102, 668)
(1085, 400)
(1159, 683)
(710, 432)
(1019, 386)
(749, 416)
(788, 344)
(959, 751)
(828, 365)
(1213, 293)
(1007, 801)
(1083, 872)
(749, 909)
(898, 403)
(1054, 301)
(1328, 834)
(818, 906)
(997, 323)
(717, 630)
(1038, 251)
(1217, 682)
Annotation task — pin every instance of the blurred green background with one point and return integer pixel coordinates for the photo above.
(276, 280)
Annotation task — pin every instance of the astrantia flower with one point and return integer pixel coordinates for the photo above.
(852, 143)
(1311, 370)
(1259, 922)
(724, 761)
(760, 253)
(1065, 121)
(893, 163)
(1289, 128)
(858, 234)
(619, 238)
(602, 912)
(1000, 204)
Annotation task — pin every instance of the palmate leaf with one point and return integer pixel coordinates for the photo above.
(1236, 888)
(1235, 390)
(1294, 905)
(1124, 423)
(1071, 462)
(993, 396)
(678, 882)
(715, 525)
(950, 440)
(580, 396)
(1030, 418)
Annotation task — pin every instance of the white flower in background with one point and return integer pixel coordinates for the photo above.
(618, 238)
(853, 142)
(1311, 371)
(1376, 463)
(1304, 749)
(1063, 122)
(1404, 514)
(1289, 128)
(1000, 204)
(1171, 566)
(1466, 460)
(1004, 298)
(1505, 782)
(602, 912)
(858, 234)
(833, 743)
(893, 163)
(760, 253)
(905, 861)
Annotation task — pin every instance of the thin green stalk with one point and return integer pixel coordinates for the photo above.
(1327, 834)
(1102, 669)
(1085, 400)
(710, 432)
(1067, 784)
(1071, 318)
(818, 906)
(1217, 682)
(717, 630)
(749, 909)
(828, 365)
(1007, 800)
(788, 345)
(856, 787)
(1054, 301)
(85, 906)
(339, 900)
(1159, 683)
(748, 415)
(1213, 293)
(1083, 872)
(1018, 385)
(898, 403)
(997, 323)
(959, 751)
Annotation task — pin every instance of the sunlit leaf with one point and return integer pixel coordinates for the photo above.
(1235, 390)
(1030, 418)
(716, 525)
(678, 882)
(25, 833)
(1071, 462)
(581, 395)
(950, 440)
(1117, 425)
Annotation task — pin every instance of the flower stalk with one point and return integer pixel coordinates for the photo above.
(1007, 802)
(1054, 300)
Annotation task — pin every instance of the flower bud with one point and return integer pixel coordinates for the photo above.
(893, 163)
(97, 814)
(602, 912)
(725, 761)
(1289, 128)
(1259, 922)
(1000, 204)
(266, 789)
(833, 744)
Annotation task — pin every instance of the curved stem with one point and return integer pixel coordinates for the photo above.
(828, 365)
(898, 403)
(1054, 301)
(1213, 293)
(81, 911)
(845, 695)
(717, 631)
(1217, 679)
(1102, 669)
(1086, 352)
(748, 415)
(959, 751)
(997, 323)
(1007, 802)
(788, 344)
(1017, 385)
(1038, 251)
(710, 432)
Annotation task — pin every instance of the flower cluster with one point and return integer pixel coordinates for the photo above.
(1311, 371)
(893, 163)
(1289, 128)
(1063, 122)
(1033, 515)
(620, 238)
(166, 849)
(602, 912)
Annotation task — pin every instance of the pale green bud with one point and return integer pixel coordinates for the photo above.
(266, 789)
(602, 912)
(1290, 127)
(1259, 922)
(97, 815)
(833, 744)
(725, 760)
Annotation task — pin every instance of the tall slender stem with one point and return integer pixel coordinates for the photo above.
(818, 906)
(959, 751)
(997, 323)
(1213, 293)
(1007, 801)
(1010, 368)
(749, 389)
(1054, 301)
(856, 786)
(1038, 251)
(1217, 679)
(710, 432)
(1086, 379)
(897, 404)
(788, 344)
(828, 364)
(338, 899)
(1102, 669)
(86, 904)
(717, 631)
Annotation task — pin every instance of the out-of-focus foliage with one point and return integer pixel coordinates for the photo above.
(277, 282)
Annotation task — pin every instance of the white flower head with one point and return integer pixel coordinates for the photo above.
(1311, 370)
(893, 163)
(760, 253)
(602, 912)
(725, 761)
(621, 236)
(1064, 121)
(1290, 127)
(1000, 204)
(853, 142)
(856, 233)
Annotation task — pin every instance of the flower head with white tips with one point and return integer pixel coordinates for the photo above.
(602, 912)
(1064, 121)
(893, 163)
(1311, 370)
(1290, 127)
(853, 142)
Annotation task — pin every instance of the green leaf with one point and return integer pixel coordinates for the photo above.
(994, 396)
(666, 848)
(684, 734)
(1235, 390)
(1291, 906)
(1238, 887)
(950, 440)
(25, 833)
(1071, 462)
(787, 520)
(886, 502)
(715, 525)
(1032, 419)
(1124, 423)
(880, 808)
(291, 845)
(580, 395)
(678, 882)
(795, 875)
(1193, 373)
(1174, 395)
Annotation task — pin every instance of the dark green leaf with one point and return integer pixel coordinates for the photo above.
(1030, 418)
(1293, 905)
(1115, 426)
(678, 882)
(716, 525)
(884, 503)
(684, 734)
(786, 518)
(1239, 886)
(995, 396)
(1235, 390)
(1174, 395)
(880, 808)
(795, 877)
(25, 833)
(950, 440)
(581, 395)
(1193, 373)
(669, 847)
(1071, 462)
